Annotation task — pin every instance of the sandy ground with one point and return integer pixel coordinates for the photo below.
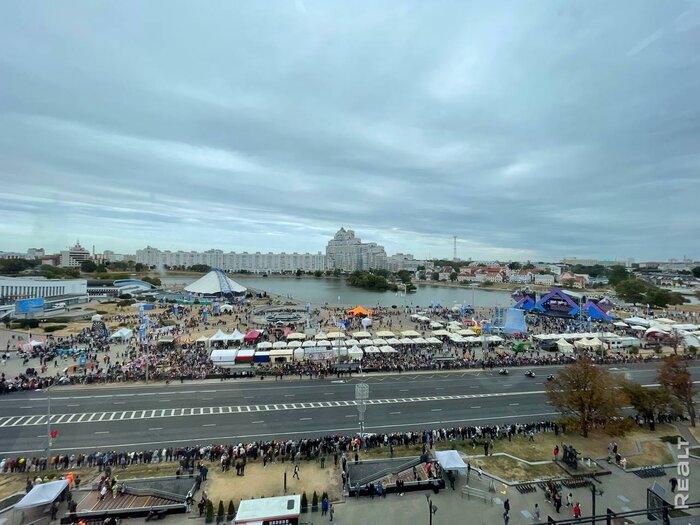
(268, 481)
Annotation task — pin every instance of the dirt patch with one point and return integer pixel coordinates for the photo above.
(268, 481)
(654, 453)
(509, 469)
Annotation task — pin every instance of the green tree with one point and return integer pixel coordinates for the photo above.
(674, 376)
(617, 274)
(337, 272)
(299, 273)
(528, 266)
(421, 275)
(649, 402)
(515, 265)
(318, 273)
(632, 290)
(15, 266)
(88, 266)
(453, 276)
(435, 276)
(220, 512)
(155, 281)
(200, 268)
(139, 267)
(587, 393)
(696, 272)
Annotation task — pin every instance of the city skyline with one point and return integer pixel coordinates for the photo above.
(409, 122)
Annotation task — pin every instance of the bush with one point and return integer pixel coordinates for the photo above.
(671, 439)
(125, 302)
(304, 502)
(102, 312)
(314, 501)
(220, 512)
(231, 510)
(692, 350)
(24, 323)
(210, 511)
(125, 296)
(619, 426)
(54, 327)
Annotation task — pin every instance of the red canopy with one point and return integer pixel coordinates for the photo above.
(251, 336)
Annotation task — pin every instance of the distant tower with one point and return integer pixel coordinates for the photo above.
(454, 247)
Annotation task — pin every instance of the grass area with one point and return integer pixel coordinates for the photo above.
(695, 431)
(509, 469)
(654, 453)
(695, 451)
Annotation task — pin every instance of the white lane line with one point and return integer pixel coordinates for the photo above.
(477, 406)
(76, 405)
(207, 399)
(119, 403)
(329, 393)
(156, 428)
(513, 404)
(394, 413)
(288, 395)
(257, 422)
(351, 415)
(304, 419)
(209, 425)
(249, 397)
(28, 408)
(439, 388)
(165, 400)
(436, 410)
(404, 390)
(102, 432)
(474, 386)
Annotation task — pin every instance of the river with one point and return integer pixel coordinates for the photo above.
(337, 292)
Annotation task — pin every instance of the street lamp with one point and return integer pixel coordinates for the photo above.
(594, 492)
(432, 508)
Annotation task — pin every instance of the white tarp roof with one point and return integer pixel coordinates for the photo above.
(209, 284)
(450, 460)
(122, 333)
(43, 494)
(236, 335)
(223, 356)
(637, 320)
(220, 336)
(263, 345)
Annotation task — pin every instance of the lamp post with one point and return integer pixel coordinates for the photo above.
(594, 492)
(432, 508)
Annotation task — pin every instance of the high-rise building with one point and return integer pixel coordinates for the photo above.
(348, 253)
(74, 256)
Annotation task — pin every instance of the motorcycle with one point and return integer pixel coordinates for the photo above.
(550, 377)
(503, 372)
(530, 373)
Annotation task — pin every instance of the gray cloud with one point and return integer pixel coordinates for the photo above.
(527, 130)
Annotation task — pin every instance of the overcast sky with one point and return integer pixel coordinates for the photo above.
(531, 130)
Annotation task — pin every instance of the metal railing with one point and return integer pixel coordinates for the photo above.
(666, 514)
(477, 493)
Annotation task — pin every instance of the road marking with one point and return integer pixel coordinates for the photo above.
(207, 399)
(165, 400)
(436, 410)
(478, 406)
(209, 425)
(287, 395)
(351, 415)
(304, 419)
(28, 408)
(394, 413)
(256, 422)
(119, 403)
(439, 388)
(513, 404)
(404, 390)
(77, 405)
(475, 386)
(102, 432)
(329, 393)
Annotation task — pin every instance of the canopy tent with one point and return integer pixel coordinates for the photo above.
(226, 308)
(279, 344)
(620, 324)
(261, 356)
(335, 335)
(466, 332)
(372, 350)
(296, 335)
(582, 343)
(251, 336)
(352, 342)
(595, 343)
(410, 333)
(122, 333)
(42, 494)
(450, 460)
(434, 341)
(393, 341)
(361, 335)
(441, 333)
(420, 341)
(308, 344)
(355, 352)
(656, 331)
(223, 357)
(321, 344)
(366, 342)
(637, 320)
(212, 283)
(286, 353)
(359, 310)
(265, 345)
(406, 341)
(220, 336)
(294, 344)
(379, 342)
(236, 336)
(456, 338)
(386, 349)
(637, 327)
(245, 355)
(565, 346)
(495, 339)
(320, 336)
(202, 339)
(96, 317)
(665, 320)
(385, 333)
(435, 325)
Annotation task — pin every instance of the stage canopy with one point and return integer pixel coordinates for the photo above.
(557, 302)
(43, 494)
(359, 310)
(122, 333)
(210, 284)
(450, 460)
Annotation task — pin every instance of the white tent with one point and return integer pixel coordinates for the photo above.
(434, 341)
(595, 342)
(279, 344)
(281, 353)
(565, 346)
(495, 339)
(406, 341)
(220, 336)
(441, 333)
(386, 350)
(420, 341)
(372, 350)
(321, 344)
(620, 324)
(435, 325)
(236, 335)
(355, 353)
(335, 335)
(581, 343)
(361, 335)
(122, 333)
(385, 333)
(223, 357)
(210, 284)
(296, 335)
(96, 317)
(637, 320)
(366, 342)
(226, 308)
(393, 341)
(264, 345)
(294, 344)
(379, 342)
(656, 331)
(450, 460)
(410, 333)
(43, 494)
(202, 339)
(308, 344)
(321, 335)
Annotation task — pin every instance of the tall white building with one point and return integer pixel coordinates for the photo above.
(348, 253)
(74, 256)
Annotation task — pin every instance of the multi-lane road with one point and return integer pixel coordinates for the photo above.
(135, 417)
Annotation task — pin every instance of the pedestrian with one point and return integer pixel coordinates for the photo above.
(536, 512)
(557, 502)
(324, 506)
(556, 452)
(569, 499)
(674, 484)
(577, 510)
(506, 518)
(296, 472)
(331, 511)
(506, 506)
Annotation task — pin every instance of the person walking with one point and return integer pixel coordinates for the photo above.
(577, 510)
(569, 499)
(536, 512)
(296, 472)
(324, 506)
(506, 506)
(331, 511)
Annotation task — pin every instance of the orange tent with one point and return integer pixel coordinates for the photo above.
(358, 310)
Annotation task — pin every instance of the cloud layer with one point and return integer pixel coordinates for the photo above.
(527, 130)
